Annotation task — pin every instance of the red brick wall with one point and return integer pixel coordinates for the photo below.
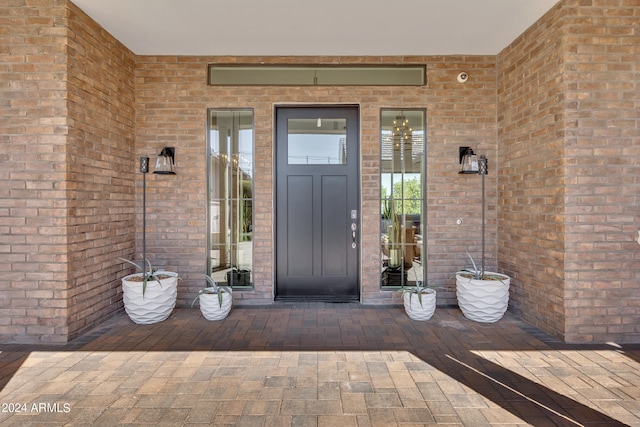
(569, 143)
(33, 197)
(171, 102)
(531, 228)
(602, 145)
(66, 126)
(100, 169)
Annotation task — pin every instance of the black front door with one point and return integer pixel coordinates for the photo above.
(317, 216)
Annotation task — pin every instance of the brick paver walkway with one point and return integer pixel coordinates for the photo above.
(319, 365)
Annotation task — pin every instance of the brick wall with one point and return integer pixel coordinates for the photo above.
(569, 142)
(100, 166)
(171, 102)
(602, 143)
(531, 172)
(33, 197)
(65, 186)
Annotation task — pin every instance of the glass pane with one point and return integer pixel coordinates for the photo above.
(230, 149)
(318, 141)
(402, 197)
(317, 75)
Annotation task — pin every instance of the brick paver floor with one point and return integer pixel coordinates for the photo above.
(316, 364)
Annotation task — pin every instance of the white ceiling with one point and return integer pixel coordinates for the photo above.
(320, 27)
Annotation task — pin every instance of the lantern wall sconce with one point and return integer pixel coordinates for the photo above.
(165, 161)
(468, 161)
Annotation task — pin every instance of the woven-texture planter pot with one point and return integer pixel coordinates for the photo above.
(483, 300)
(417, 311)
(211, 308)
(157, 303)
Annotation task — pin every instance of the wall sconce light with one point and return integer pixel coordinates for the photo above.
(468, 160)
(165, 161)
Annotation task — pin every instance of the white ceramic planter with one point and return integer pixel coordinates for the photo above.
(417, 311)
(483, 301)
(158, 301)
(211, 308)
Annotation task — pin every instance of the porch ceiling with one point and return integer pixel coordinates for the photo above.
(326, 27)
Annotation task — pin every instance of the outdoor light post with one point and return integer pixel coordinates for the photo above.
(483, 169)
(148, 297)
(144, 169)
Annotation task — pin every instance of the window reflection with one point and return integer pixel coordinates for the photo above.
(317, 141)
(230, 154)
(402, 139)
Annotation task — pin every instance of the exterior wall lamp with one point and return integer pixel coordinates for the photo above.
(165, 161)
(468, 160)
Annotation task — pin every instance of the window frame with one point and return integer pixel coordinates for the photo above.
(228, 201)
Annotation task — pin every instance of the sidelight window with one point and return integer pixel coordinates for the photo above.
(402, 203)
(230, 196)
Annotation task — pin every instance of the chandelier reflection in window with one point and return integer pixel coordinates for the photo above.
(402, 137)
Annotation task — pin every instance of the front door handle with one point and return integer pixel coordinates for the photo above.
(354, 227)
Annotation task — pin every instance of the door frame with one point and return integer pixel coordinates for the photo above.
(328, 106)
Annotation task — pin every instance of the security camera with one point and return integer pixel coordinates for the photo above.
(463, 77)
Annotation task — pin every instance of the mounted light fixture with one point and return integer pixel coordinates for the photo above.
(468, 160)
(165, 161)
